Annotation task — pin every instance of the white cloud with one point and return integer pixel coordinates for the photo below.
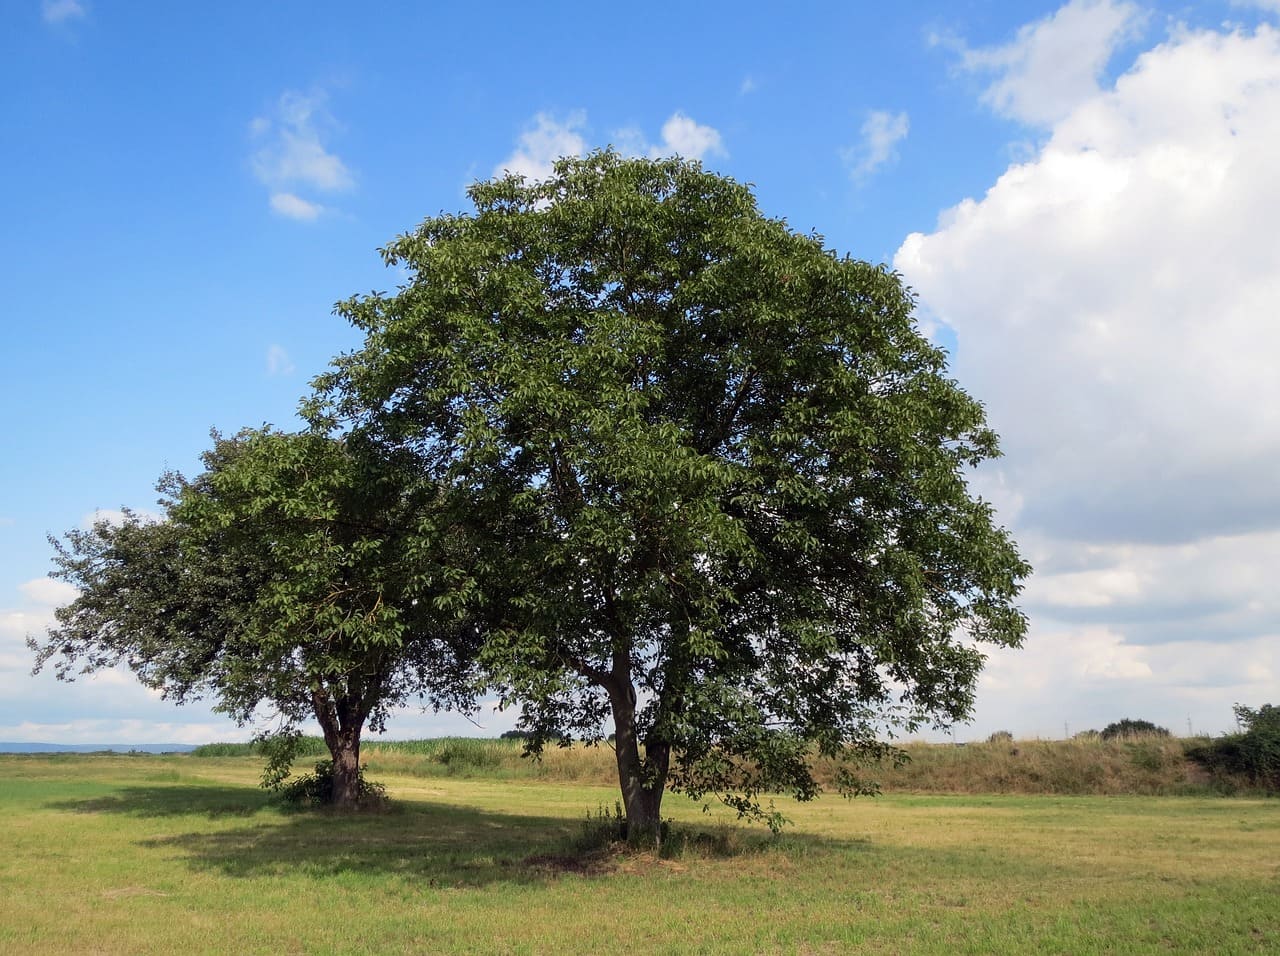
(278, 361)
(544, 141)
(106, 730)
(882, 131)
(294, 207)
(1084, 678)
(749, 84)
(547, 139)
(1113, 301)
(682, 136)
(115, 516)
(293, 155)
(1054, 64)
(62, 11)
(48, 592)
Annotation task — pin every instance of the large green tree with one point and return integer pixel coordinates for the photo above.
(717, 477)
(276, 583)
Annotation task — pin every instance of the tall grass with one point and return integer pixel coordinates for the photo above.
(1146, 766)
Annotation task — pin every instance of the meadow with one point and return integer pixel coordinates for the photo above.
(157, 854)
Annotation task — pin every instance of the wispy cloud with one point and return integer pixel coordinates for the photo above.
(748, 85)
(1054, 64)
(881, 131)
(278, 361)
(47, 592)
(62, 11)
(292, 155)
(295, 207)
(114, 516)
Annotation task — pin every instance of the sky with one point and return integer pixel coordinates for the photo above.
(1083, 198)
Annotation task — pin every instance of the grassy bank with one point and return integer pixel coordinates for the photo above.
(1147, 766)
(164, 854)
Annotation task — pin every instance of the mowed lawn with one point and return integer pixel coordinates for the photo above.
(184, 855)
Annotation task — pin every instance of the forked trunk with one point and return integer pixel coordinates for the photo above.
(642, 780)
(342, 737)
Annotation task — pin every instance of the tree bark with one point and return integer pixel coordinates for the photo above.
(642, 780)
(342, 737)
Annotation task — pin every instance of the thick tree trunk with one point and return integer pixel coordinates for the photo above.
(346, 770)
(642, 780)
(343, 740)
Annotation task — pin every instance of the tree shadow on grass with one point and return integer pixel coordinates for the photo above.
(432, 844)
(173, 801)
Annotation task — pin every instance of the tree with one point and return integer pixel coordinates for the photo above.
(1132, 728)
(718, 477)
(275, 580)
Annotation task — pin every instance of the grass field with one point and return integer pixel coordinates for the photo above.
(107, 854)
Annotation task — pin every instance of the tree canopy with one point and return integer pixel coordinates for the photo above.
(715, 477)
(278, 583)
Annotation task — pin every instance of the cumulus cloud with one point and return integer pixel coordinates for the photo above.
(882, 131)
(62, 11)
(542, 142)
(1113, 302)
(1054, 64)
(292, 155)
(1074, 679)
(547, 139)
(682, 136)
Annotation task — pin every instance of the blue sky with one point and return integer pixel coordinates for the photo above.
(1082, 195)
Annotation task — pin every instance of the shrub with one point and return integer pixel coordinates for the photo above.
(1253, 755)
(316, 789)
(1132, 728)
(1000, 737)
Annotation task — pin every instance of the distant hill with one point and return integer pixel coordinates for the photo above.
(28, 747)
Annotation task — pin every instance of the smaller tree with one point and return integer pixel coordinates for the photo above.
(276, 580)
(1253, 754)
(1132, 728)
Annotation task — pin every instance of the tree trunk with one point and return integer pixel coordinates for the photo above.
(346, 770)
(343, 740)
(642, 780)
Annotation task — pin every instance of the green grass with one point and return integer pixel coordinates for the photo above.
(162, 854)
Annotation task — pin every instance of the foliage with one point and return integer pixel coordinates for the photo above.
(316, 789)
(717, 478)
(1132, 728)
(275, 581)
(1252, 755)
(1000, 737)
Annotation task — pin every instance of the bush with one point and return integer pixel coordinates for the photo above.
(316, 789)
(1000, 737)
(1132, 728)
(1253, 755)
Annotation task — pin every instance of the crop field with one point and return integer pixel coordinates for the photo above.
(149, 854)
